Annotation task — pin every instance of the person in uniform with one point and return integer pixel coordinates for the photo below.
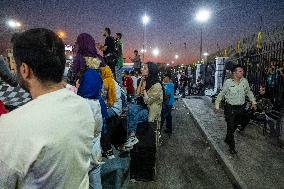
(234, 91)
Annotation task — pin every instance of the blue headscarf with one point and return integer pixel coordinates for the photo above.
(91, 86)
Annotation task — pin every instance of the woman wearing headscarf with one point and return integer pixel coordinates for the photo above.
(89, 83)
(89, 86)
(86, 54)
(109, 85)
(151, 89)
(112, 96)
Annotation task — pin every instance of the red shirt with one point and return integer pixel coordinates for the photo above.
(2, 108)
(128, 84)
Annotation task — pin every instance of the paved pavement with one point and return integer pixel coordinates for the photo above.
(258, 164)
(186, 160)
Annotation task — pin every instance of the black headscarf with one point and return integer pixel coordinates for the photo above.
(153, 76)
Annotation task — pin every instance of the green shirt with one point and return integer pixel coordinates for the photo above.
(234, 93)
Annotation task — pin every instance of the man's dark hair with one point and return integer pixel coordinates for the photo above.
(126, 72)
(132, 73)
(119, 35)
(108, 31)
(43, 51)
(235, 67)
(136, 51)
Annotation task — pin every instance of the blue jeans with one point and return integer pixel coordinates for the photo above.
(95, 178)
(136, 114)
(118, 75)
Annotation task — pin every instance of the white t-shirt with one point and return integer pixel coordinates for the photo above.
(96, 147)
(47, 143)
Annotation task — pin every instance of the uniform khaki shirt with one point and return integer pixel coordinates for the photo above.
(234, 93)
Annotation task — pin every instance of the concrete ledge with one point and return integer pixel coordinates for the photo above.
(236, 180)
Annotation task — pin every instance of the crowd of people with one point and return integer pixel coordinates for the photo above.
(59, 138)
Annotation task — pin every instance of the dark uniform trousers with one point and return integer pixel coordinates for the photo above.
(234, 115)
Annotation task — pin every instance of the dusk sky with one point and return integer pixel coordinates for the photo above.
(171, 23)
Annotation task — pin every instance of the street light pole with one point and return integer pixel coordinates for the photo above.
(200, 56)
(143, 46)
(145, 21)
(202, 16)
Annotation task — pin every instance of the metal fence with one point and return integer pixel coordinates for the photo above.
(262, 56)
(264, 66)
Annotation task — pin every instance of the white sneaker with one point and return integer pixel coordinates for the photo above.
(131, 141)
(108, 154)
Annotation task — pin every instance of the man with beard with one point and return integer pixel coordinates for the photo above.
(46, 143)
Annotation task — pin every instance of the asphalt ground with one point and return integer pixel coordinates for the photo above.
(185, 159)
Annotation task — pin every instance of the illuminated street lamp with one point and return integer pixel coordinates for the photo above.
(14, 24)
(145, 21)
(143, 50)
(168, 64)
(205, 54)
(202, 16)
(176, 56)
(61, 34)
(156, 52)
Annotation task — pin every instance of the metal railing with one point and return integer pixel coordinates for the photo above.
(262, 56)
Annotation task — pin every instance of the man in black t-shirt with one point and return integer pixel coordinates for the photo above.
(109, 51)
